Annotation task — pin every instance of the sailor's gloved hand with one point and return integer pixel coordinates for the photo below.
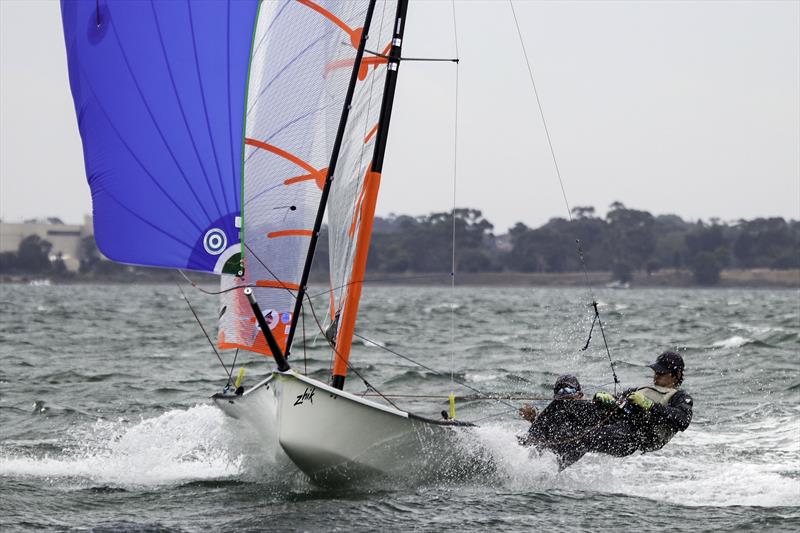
(604, 398)
(637, 398)
(528, 412)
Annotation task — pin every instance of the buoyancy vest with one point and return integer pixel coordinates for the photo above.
(660, 395)
(661, 432)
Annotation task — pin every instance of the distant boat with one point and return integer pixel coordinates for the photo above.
(40, 282)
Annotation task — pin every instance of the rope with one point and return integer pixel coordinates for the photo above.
(404, 278)
(541, 111)
(233, 365)
(563, 194)
(303, 322)
(489, 397)
(455, 183)
(496, 415)
(197, 318)
(427, 59)
(271, 273)
(429, 369)
(349, 366)
(212, 293)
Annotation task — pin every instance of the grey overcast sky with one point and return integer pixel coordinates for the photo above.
(691, 108)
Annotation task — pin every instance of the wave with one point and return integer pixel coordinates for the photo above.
(732, 342)
(737, 341)
(175, 447)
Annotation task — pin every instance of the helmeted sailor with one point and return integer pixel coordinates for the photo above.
(563, 423)
(646, 418)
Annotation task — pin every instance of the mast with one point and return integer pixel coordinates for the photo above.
(371, 186)
(301, 292)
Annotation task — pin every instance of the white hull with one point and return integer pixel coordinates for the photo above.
(337, 437)
(258, 409)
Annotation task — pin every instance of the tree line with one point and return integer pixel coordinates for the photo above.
(626, 240)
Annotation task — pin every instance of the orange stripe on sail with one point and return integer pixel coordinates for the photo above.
(344, 339)
(282, 153)
(355, 34)
(276, 284)
(289, 233)
(313, 174)
(363, 69)
(318, 176)
(371, 133)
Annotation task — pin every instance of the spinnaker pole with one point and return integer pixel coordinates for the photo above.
(301, 292)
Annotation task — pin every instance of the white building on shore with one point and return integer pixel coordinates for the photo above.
(65, 238)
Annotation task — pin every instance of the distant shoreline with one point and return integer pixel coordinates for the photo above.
(678, 278)
(739, 278)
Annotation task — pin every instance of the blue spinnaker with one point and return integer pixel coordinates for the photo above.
(159, 91)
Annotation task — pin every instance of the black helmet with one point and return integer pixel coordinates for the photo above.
(566, 385)
(668, 363)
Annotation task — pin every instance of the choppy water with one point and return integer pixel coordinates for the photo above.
(125, 438)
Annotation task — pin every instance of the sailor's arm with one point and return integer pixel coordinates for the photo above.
(677, 414)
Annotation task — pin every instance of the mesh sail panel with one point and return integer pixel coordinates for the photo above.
(301, 66)
(347, 201)
(159, 92)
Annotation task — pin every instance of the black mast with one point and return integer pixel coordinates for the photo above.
(388, 90)
(381, 136)
(348, 99)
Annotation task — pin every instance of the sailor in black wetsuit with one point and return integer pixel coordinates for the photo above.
(646, 418)
(564, 424)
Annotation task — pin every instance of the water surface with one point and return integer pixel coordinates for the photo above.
(105, 422)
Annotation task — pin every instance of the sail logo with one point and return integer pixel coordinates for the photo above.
(215, 241)
(305, 396)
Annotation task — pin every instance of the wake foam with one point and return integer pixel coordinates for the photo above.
(175, 447)
(703, 467)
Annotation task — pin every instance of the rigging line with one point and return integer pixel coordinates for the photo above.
(455, 181)
(233, 365)
(349, 366)
(496, 415)
(197, 318)
(610, 361)
(214, 293)
(560, 180)
(401, 59)
(271, 273)
(541, 111)
(484, 398)
(429, 369)
(303, 322)
(400, 279)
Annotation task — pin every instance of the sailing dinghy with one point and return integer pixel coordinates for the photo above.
(332, 435)
(215, 136)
